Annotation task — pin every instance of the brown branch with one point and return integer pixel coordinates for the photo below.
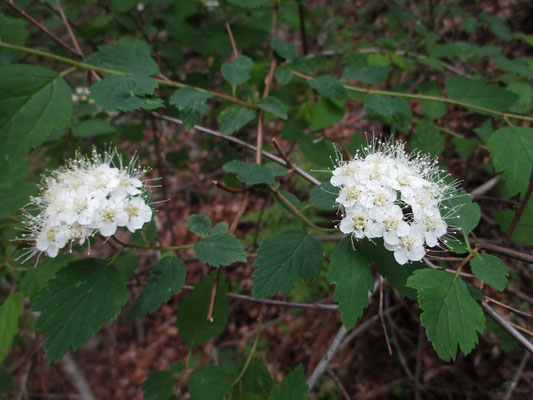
(69, 30)
(232, 40)
(512, 309)
(380, 313)
(339, 384)
(220, 185)
(506, 251)
(520, 210)
(283, 155)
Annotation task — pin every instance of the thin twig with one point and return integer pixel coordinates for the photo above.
(303, 35)
(282, 154)
(77, 376)
(381, 284)
(519, 211)
(220, 185)
(339, 384)
(505, 251)
(69, 30)
(418, 367)
(485, 187)
(512, 309)
(517, 375)
(232, 40)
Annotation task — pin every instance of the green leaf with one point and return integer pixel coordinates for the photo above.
(126, 264)
(292, 387)
(199, 224)
(511, 149)
(250, 173)
(485, 131)
(192, 323)
(323, 196)
(234, 118)
(166, 278)
(427, 138)
(326, 112)
(433, 109)
(465, 147)
(329, 87)
(317, 149)
(524, 229)
(209, 382)
(125, 93)
(158, 385)
(238, 71)
(480, 93)
(490, 269)
(34, 101)
(219, 249)
(291, 255)
(274, 106)
(125, 55)
(371, 74)
(250, 4)
(76, 302)
(192, 104)
(122, 5)
(36, 278)
(284, 50)
(461, 213)
(350, 271)
(283, 75)
(450, 315)
(524, 91)
(395, 112)
(9, 317)
(256, 380)
(92, 127)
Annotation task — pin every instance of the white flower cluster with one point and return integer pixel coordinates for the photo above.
(88, 195)
(82, 95)
(385, 192)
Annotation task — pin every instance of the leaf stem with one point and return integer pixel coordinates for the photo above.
(149, 247)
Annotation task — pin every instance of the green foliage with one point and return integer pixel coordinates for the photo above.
(199, 224)
(284, 50)
(460, 212)
(511, 149)
(192, 104)
(490, 269)
(158, 385)
(92, 127)
(35, 101)
(323, 196)
(524, 229)
(329, 87)
(395, 111)
(76, 302)
(238, 71)
(427, 138)
(292, 387)
(480, 93)
(234, 118)
(291, 255)
(326, 112)
(274, 106)
(451, 316)
(192, 323)
(166, 278)
(220, 248)
(371, 74)
(10, 312)
(36, 278)
(350, 272)
(252, 173)
(256, 381)
(209, 382)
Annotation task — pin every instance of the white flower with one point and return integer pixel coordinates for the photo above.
(410, 246)
(138, 212)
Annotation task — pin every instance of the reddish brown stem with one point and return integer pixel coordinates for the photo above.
(520, 210)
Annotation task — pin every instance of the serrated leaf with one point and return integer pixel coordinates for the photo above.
(350, 271)
(511, 150)
(274, 106)
(166, 279)
(10, 312)
(92, 127)
(323, 196)
(125, 93)
(317, 149)
(192, 323)
(465, 147)
(126, 264)
(209, 382)
(250, 173)
(36, 278)
(238, 71)
(125, 55)
(292, 387)
(451, 316)
(485, 131)
(326, 112)
(480, 93)
(192, 104)
(291, 255)
(158, 385)
(283, 76)
(220, 227)
(76, 302)
(234, 118)
(284, 50)
(34, 101)
(255, 381)
(329, 87)
(199, 224)
(395, 112)
(219, 249)
(427, 138)
(371, 74)
(490, 269)
(461, 213)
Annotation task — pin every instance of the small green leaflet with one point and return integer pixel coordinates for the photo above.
(192, 104)
(76, 302)
(274, 106)
(255, 381)
(490, 269)
(238, 71)
(36, 278)
(395, 112)
(323, 196)
(292, 387)
(234, 118)
(329, 87)
(461, 213)
(125, 55)
(433, 109)
(480, 93)
(125, 93)
(9, 317)
(371, 74)
(325, 112)
(252, 173)
(158, 385)
(317, 149)
(283, 76)
(511, 149)
(92, 127)
(291, 255)
(284, 50)
(350, 271)
(35, 101)
(427, 138)
(193, 326)
(209, 382)
(219, 249)
(199, 224)
(450, 315)
(166, 278)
